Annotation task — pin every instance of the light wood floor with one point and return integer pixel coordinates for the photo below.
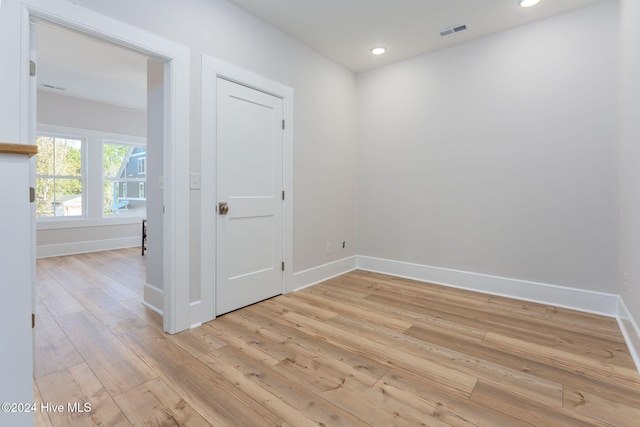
(362, 349)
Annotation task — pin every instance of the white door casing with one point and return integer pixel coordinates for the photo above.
(250, 185)
(204, 309)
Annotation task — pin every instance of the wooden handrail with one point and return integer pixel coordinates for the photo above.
(29, 150)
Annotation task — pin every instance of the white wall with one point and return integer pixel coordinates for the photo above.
(324, 113)
(498, 156)
(630, 170)
(79, 113)
(76, 236)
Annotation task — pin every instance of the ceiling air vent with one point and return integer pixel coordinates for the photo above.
(451, 30)
(53, 87)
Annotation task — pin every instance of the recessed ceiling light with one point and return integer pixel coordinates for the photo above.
(528, 3)
(378, 50)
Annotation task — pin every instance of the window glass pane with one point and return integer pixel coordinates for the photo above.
(44, 159)
(115, 159)
(58, 197)
(107, 197)
(124, 171)
(68, 158)
(56, 161)
(68, 197)
(44, 197)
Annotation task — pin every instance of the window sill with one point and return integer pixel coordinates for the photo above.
(57, 224)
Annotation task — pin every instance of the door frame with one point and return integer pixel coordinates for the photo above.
(212, 69)
(176, 287)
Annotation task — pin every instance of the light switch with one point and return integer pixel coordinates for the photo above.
(194, 181)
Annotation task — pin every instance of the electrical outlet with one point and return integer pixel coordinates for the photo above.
(329, 248)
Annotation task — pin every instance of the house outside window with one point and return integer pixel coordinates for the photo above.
(59, 177)
(124, 177)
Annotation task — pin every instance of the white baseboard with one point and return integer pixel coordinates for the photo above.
(630, 331)
(61, 249)
(559, 296)
(200, 313)
(312, 276)
(154, 298)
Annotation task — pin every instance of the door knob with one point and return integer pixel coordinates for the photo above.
(223, 208)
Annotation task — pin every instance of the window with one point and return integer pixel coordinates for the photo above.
(59, 177)
(124, 164)
(75, 174)
(142, 166)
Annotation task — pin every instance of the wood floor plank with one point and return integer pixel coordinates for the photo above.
(369, 404)
(411, 288)
(57, 300)
(449, 378)
(604, 350)
(156, 404)
(109, 312)
(599, 408)
(437, 403)
(525, 411)
(79, 385)
(289, 304)
(65, 271)
(219, 402)
(149, 316)
(40, 418)
(53, 350)
(289, 415)
(353, 309)
(197, 342)
(468, 316)
(116, 367)
(555, 357)
(309, 352)
(256, 338)
(294, 393)
(123, 268)
(226, 331)
(547, 392)
(360, 368)
(99, 280)
(522, 362)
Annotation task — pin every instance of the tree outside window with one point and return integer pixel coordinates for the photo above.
(59, 179)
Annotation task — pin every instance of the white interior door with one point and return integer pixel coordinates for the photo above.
(250, 199)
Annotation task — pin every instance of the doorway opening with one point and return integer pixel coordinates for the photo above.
(99, 130)
(173, 59)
